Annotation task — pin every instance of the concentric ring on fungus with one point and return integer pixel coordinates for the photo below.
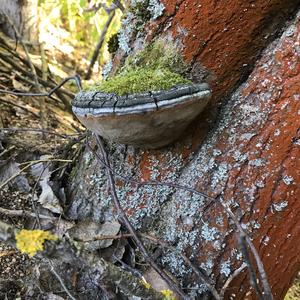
(148, 120)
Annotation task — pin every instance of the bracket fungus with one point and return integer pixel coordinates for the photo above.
(148, 120)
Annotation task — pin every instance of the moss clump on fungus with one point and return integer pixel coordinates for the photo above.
(158, 55)
(140, 80)
(157, 67)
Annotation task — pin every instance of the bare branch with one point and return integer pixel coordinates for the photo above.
(25, 94)
(99, 44)
(63, 136)
(230, 278)
(263, 276)
(19, 38)
(252, 274)
(28, 165)
(245, 240)
(7, 150)
(108, 9)
(22, 213)
(60, 280)
(130, 228)
(201, 274)
(20, 106)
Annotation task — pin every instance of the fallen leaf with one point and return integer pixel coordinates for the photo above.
(8, 169)
(47, 198)
(89, 233)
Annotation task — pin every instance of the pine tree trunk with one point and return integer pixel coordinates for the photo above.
(246, 156)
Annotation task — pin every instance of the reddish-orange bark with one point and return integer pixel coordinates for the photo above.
(251, 157)
(225, 36)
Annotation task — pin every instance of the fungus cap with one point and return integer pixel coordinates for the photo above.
(147, 120)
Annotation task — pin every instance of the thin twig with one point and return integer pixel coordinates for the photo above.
(245, 240)
(44, 77)
(263, 276)
(7, 150)
(60, 93)
(19, 37)
(108, 9)
(22, 213)
(60, 280)
(50, 159)
(251, 270)
(46, 94)
(100, 43)
(230, 278)
(130, 228)
(20, 106)
(203, 277)
(106, 237)
(33, 70)
(28, 165)
(119, 4)
(64, 136)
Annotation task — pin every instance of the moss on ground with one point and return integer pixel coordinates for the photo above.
(158, 66)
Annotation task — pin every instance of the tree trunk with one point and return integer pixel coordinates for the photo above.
(30, 21)
(247, 157)
(24, 15)
(13, 10)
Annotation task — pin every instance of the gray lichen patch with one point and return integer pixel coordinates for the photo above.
(142, 203)
(140, 12)
(242, 118)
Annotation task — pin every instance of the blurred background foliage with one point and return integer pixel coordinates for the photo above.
(70, 30)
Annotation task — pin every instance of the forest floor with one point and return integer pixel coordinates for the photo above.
(29, 142)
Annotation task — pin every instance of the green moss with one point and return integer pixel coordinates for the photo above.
(140, 80)
(160, 54)
(294, 291)
(157, 67)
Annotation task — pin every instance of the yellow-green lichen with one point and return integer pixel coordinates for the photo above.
(294, 291)
(32, 241)
(157, 67)
(145, 283)
(168, 295)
